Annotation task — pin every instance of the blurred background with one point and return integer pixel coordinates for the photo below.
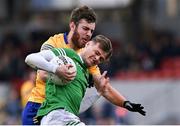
(145, 66)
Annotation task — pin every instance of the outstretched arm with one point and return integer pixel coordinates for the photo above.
(114, 96)
(108, 91)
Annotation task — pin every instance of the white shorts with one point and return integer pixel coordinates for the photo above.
(61, 117)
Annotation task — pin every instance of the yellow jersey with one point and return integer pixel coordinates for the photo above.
(57, 41)
(26, 89)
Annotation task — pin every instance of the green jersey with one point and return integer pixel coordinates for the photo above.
(68, 96)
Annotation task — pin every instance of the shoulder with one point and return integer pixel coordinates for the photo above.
(64, 51)
(53, 42)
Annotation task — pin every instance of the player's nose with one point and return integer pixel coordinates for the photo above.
(89, 34)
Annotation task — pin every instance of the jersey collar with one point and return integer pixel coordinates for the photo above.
(82, 62)
(81, 58)
(65, 37)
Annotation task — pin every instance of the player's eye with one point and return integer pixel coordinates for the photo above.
(97, 53)
(85, 28)
(101, 59)
(92, 31)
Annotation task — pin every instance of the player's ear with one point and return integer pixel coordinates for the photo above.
(72, 25)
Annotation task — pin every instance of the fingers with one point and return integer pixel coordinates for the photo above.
(104, 74)
(69, 76)
(66, 72)
(142, 112)
(69, 66)
(102, 83)
(70, 69)
(141, 107)
(107, 79)
(70, 72)
(104, 78)
(135, 108)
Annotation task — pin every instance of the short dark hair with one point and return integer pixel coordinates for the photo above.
(105, 44)
(83, 12)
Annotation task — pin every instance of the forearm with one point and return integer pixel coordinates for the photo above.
(103, 85)
(38, 61)
(114, 96)
(105, 89)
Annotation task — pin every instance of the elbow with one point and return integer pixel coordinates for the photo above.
(27, 59)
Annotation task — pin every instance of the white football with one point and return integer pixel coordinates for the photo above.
(59, 60)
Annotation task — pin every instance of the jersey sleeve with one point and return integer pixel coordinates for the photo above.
(94, 70)
(50, 43)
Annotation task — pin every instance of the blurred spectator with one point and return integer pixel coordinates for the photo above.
(108, 114)
(88, 117)
(13, 108)
(122, 116)
(12, 62)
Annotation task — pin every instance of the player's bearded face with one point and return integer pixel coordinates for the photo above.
(82, 33)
